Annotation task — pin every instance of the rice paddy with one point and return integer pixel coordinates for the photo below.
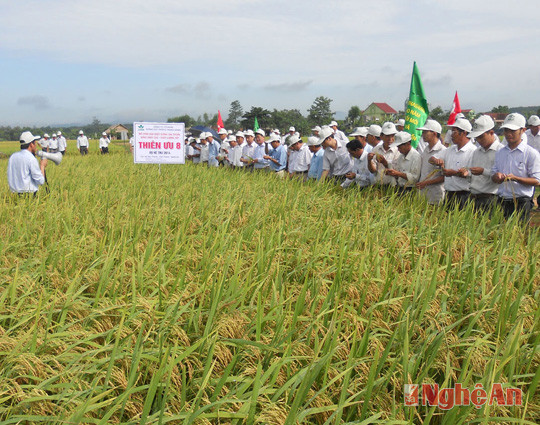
(209, 296)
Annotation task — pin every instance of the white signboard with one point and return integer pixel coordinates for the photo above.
(159, 143)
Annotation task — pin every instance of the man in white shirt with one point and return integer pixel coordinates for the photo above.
(338, 134)
(82, 143)
(248, 150)
(62, 143)
(455, 161)
(225, 145)
(53, 144)
(483, 189)
(259, 162)
(213, 150)
(299, 159)
(383, 155)
(24, 173)
(406, 168)
(516, 169)
(431, 183)
(373, 137)
(533, 139)
(336, 160)
(203, 149)
(104, 144)
(361, 134)
(291, 132)
(44, 142)
(235, 155)
(400, 125)
(359, 175)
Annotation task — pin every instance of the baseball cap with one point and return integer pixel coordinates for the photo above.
(222, 131)
(389, 128)
(533, 120)
(261, 132)
(313, 141)
(431, 125)
(231, 138)
(460, 115)
(462, 124)
(332, 124)
(292, 140)
(359, 131)
(54, 135)
(401, 122)
(59, 133)
(46, 136)
(81, 132)
(481, 125)
(276, 131)
(27, 138)
(514, 121)
(202, 135)
(316, 128)
(324, 134)
(103, 134)
(292, 129)
(240, 134)
(249, 133)
(375, 130)
(402, 137)
(208, 134)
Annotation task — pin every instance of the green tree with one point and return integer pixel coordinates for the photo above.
(320, 113)
(438, 114)
(353, 117)
(186, 119)
(503, 109)
(263, 117)
(284, 118)
(235, 114)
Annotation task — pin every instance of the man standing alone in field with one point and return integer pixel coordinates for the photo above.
(82, 143)
(104, 143)
(24, 174)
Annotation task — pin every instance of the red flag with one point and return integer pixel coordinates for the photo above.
(219, 121)
(456, 109)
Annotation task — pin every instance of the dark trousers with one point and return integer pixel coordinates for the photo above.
(104, 150)
(83, 150)
(521, 206)
(458, 198)
(484, 201)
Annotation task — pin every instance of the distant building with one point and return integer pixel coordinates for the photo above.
(379, 112)
(118, 132)
(498, 117)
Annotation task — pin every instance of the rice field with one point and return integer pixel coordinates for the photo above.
(209, 296)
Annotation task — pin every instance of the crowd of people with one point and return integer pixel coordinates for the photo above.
(471, 165)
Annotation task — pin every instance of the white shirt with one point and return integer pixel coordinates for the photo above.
(53, 144)
(434, 192)
(411, 165)
(23, 172)
(248, 151)
(196, 159)
(532, 140)
(363, 177)
(337, 161)
(455, 159)
(234, 156)
(204, 153)
(62, 143)
(340, 136)
(104, 142)
(485, 159)
(44, 143)
(299, 160)
(82, 141)
(391, 155)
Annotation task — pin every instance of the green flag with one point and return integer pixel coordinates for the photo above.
(256, 125)
(417, 108)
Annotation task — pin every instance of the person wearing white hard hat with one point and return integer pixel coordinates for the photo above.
(235, 154)
(195, 153)
(448, 136)
(82, 143)
(188, 148)
(359, 175)
(406, 168)
(291, 132)
(228, 158)
(316, 164)
(383, 155)
(224, 145)
(431, 182)
(455, 162)
(336, 161)
(299, 158)
(315, 131)
(483, 189)
(104, 143)
(533, 133)
(400, 125)
(44, 142)
(338, 134)
(259, 162)
(361, 134)
(24, 173)
(203, 149)
(516, 169)
(62, 143)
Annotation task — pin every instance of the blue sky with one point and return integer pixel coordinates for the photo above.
(65, 62)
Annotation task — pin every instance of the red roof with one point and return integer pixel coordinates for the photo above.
(385, 107)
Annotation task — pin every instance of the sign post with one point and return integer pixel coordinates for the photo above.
(159, 143)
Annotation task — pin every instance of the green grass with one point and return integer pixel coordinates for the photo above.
(211, 296)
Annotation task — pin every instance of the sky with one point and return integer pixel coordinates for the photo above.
(65, 62)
